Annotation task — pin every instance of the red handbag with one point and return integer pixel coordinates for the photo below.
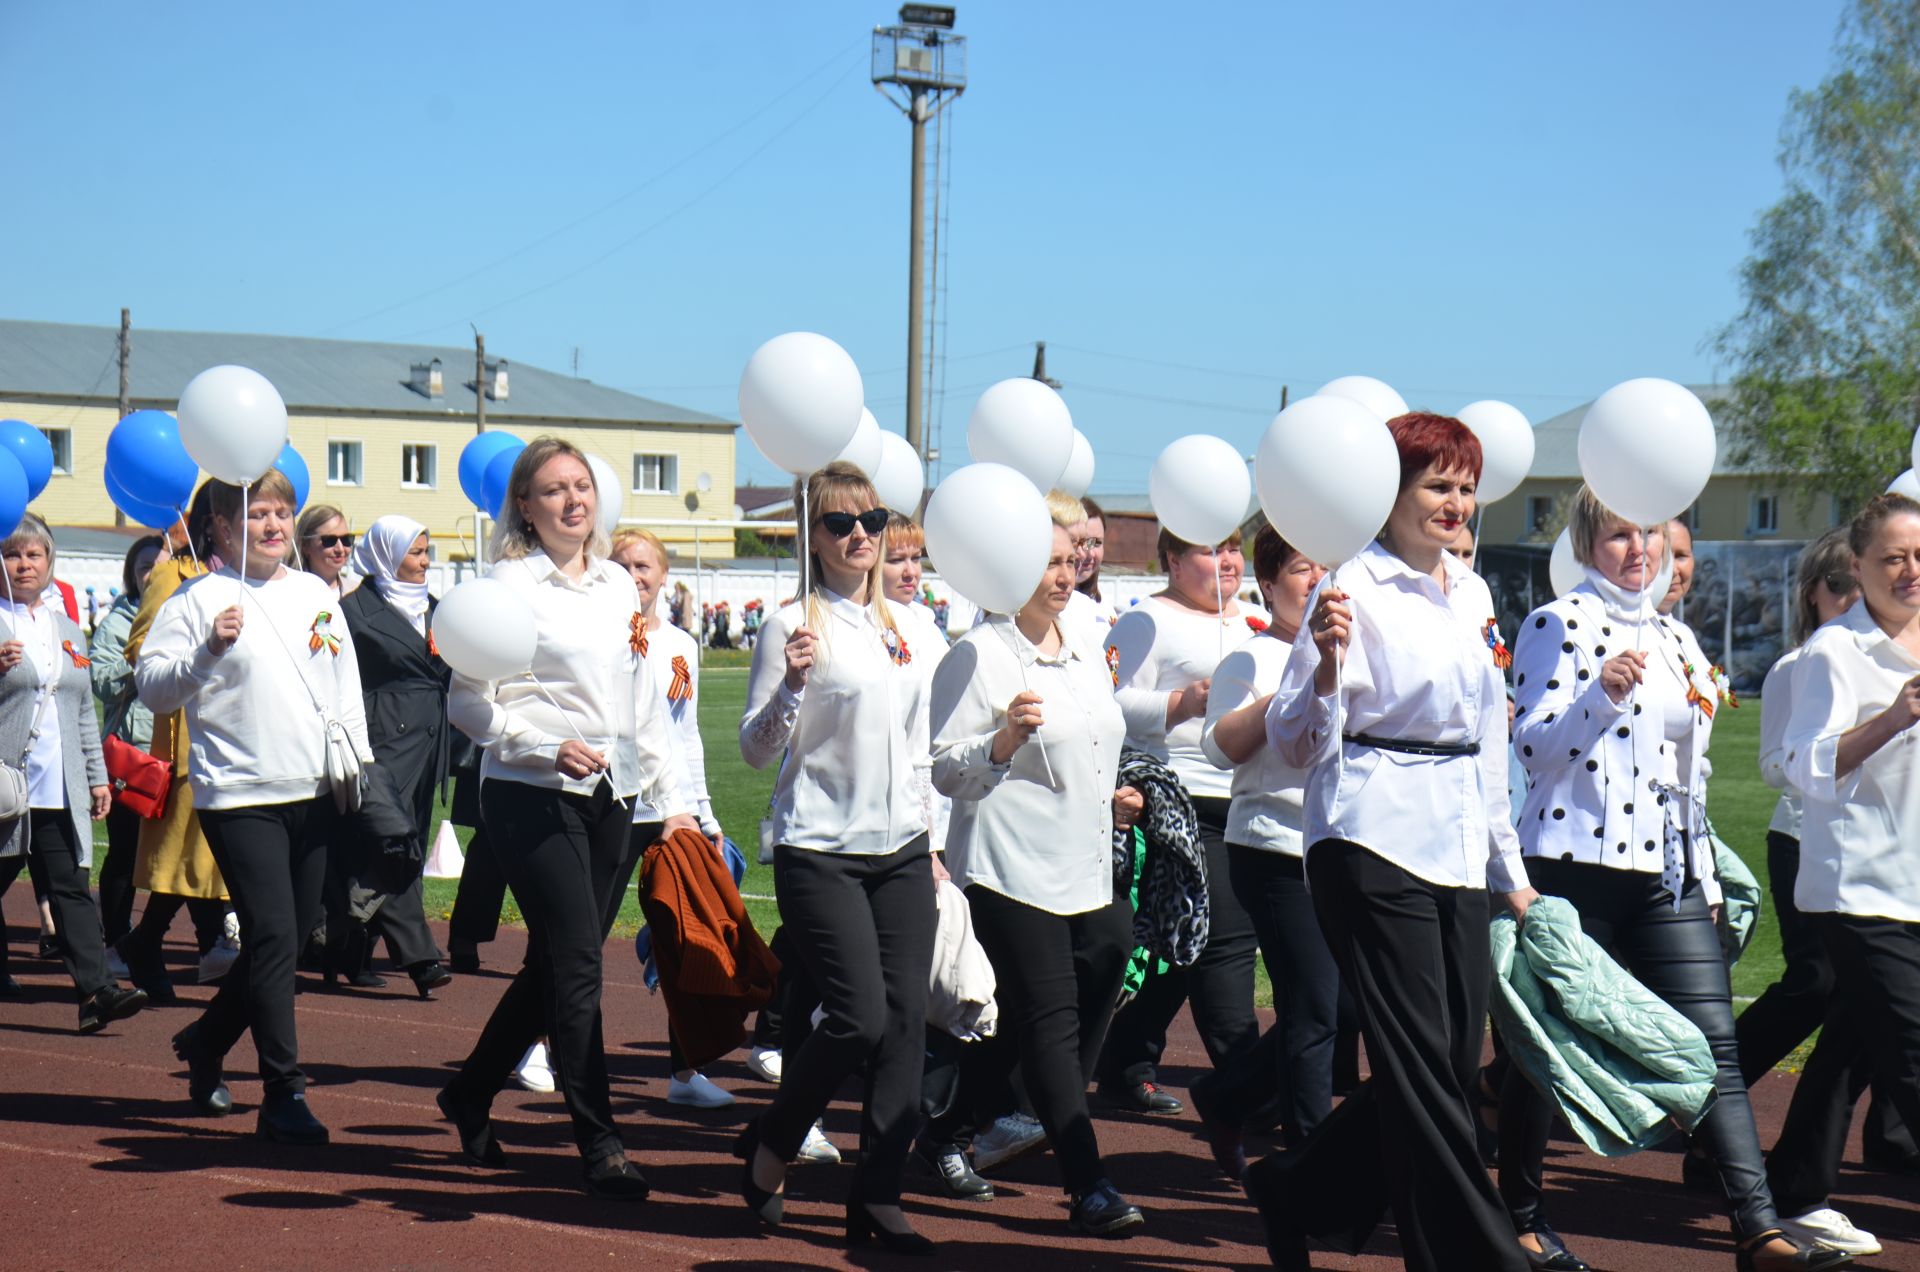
(140, 781)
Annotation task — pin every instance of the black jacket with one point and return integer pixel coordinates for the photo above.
(405, 685)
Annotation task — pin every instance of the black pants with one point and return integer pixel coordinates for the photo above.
(156, 917)
(51, 847)
(640, 837)
(401, 920)
(1219, 983)
(116, 873)
(559, 851)
(1794, 1006)
(1287, 1077)
(1676, 954)
(482, 891)
(787, 1019)
(1873, 1027)
(864, 926)
(1416, 958)
(1058, 977)
(275, 872)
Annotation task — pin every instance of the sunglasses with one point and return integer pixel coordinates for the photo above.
(1841, 584)
(841, 524)
(333, 540)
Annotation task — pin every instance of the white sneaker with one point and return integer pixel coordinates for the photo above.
(697, 1093)
(1832, 1229)
(117, 966)
(535, 1070)
(764, 1064)
(215, 962)
(1014, 1135)
(818, 1148)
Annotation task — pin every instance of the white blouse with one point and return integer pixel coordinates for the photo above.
(1858, 834)
(38, 630)
(1091, 620)
(673, 664)
(1418, 668)
(1776, 708)
(591, 685)
(928, 645)
(1159, 646)
(845, 740)
(1039, 828)
(1267, 791)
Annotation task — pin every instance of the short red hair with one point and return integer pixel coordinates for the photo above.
(1433, 441)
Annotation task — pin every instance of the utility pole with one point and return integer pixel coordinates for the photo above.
(927, 63)
(126, 398)
(1040, 366)
(479, 383)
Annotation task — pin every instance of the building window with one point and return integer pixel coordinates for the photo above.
(61, 439)
(1764, 517)
(343, 463)
(1691, 517)
(419, 466)
(1539, 513)
(656, 474)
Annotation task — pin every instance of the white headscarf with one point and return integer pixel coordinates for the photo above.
(378, 556)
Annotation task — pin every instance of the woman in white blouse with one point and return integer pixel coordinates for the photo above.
(1614, 709)
(1854, 755)
(1027, 741)
(569, 749)
(1288, 1077)
(835, 698)
(1394, 704)
(1163, 652)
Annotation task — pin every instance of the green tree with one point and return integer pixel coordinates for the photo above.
(1826, 348)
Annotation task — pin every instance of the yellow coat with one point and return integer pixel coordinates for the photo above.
(173, 857)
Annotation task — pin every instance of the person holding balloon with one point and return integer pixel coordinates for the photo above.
(835, 698)
(262, 662)
(562, 700)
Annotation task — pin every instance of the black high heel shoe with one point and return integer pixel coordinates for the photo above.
(1749, 1257)
(474, 1127)
(769, 1207)
(861, 1228)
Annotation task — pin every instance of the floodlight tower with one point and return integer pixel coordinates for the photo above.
(926, 62)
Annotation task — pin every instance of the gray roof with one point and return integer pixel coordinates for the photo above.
(1556, 441)
(62, 361)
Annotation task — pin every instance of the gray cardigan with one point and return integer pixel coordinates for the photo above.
(79, 730)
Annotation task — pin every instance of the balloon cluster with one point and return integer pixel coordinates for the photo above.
(26, 466)
(233, 424)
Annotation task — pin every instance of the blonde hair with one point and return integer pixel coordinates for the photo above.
(33, 530)
(1066, 511)
(630, 535)
(904, 532)
(513, 535)
(1587, 521)
(224, 499)
(841, 483)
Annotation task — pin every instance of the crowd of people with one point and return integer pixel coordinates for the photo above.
(1124, 810)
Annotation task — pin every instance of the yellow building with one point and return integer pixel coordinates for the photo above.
(380, 426)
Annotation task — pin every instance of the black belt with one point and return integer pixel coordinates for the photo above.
(1442, 749)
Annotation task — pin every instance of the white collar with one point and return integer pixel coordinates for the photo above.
(544, 569)
(1025, 650)
(1384, 563)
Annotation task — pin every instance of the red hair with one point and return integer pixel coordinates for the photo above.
(1433, 441)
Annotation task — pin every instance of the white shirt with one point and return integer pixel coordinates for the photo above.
(1159, 646)
(671, 653)
(597, 689)
(846, 782)
(1267, 791)
(1417, 668)
(928, 644)
(1038, 829)
(1858, 836)
(1776, 708)
(1092, 620)
(36, 628)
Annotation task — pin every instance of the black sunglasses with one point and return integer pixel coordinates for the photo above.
(334, 540)
(840, 524)
(1841, 584)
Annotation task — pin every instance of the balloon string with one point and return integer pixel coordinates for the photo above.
(193, 553)
(571, 725)
(1053, 783)
(806, 555)
(1220, 612)
(245, 501)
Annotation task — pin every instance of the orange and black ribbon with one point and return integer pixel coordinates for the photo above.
(320, 635)
(637, 634)
(1502, 656)
(896, 647)
(1113, 665)
(681, 687)
(433, 646)
(79, 659)
(1694, 697)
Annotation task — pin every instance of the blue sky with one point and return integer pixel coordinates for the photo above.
(1192, 207)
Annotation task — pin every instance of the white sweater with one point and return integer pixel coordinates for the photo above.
(257, 737)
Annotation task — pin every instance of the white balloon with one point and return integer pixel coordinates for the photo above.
(1328, 473)
(1564, 570)
(233, 423)
(484, 630)
(1915, 453)
(989, 536)
(1647, 449)
(1024, 425)
(607, 494)
(863, 452)
(800, 400)
(1078, 477)
(1506, 447)
(1373, 394)
(1199, 488)
(899, 478)
(1907, 483)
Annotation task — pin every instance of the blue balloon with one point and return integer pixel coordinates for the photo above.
(474, 458)
(35, 453)
(494, 485)
(294, 469)
(145, 454)
(152, 516)
(13, 491)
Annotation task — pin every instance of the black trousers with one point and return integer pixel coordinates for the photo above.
(482, 891)
(1872, 1028)
(156, 917)
(559, 851)
(401, 920)
(640, 837)
(1677, 955)
(1415, 956)
(1059, 976)
(275, 872)
(784, 1023)
(1219, 984)
(864, 926)
(116, 873)
(56, 857)
(1287, 1077)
